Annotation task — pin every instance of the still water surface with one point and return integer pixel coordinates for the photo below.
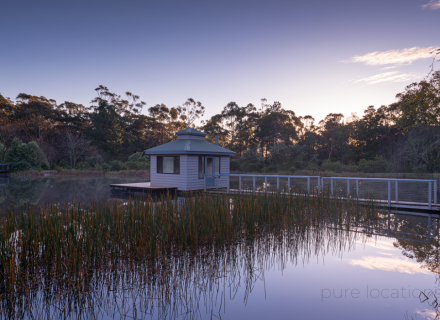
(358, 274)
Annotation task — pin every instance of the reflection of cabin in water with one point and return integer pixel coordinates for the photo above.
(5, 168)
(184, 162)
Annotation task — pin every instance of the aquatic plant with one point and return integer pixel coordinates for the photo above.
(70, 260)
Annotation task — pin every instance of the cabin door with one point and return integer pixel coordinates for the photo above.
(210, 171)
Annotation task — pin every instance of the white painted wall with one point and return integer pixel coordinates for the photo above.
(166, 179)
(222, 182)
(194, 183)
(189, 173)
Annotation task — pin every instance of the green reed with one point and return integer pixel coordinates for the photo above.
(65, 249)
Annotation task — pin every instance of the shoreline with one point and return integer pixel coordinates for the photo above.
(80, 173)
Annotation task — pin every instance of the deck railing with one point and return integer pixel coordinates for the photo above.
(256, 183)
(383, 190)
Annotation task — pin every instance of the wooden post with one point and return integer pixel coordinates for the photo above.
(430, 195)
(319, 184)
(239, 183)
(288, 184)
(253, 183)
(348, 189)
(331, 186)
(389, 193)
(429, 228)
(308, 185)
(357, 188)
(265, 183)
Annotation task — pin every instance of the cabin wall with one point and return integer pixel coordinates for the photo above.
(222, 182)
(189, 172)
(194, 183)
(169, 180)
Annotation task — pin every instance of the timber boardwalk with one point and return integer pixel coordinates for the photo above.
(140, 187)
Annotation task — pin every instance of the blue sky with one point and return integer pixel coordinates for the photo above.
(315, 57)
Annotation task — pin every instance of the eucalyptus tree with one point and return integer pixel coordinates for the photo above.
(190, 111)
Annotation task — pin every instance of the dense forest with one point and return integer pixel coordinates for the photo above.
(38, 133)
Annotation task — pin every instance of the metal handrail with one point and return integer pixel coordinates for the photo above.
(432, 187)
(432, 184)
(254, 176)
(376, 179)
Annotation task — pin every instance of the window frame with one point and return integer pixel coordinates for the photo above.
(159, 164)
(201, 166)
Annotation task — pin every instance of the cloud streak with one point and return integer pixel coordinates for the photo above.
(432, 5)
(397, 57)
(391, 76)
(389, 264)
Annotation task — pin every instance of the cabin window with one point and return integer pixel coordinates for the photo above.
(202, 170)
(170, 165)
(201, 167)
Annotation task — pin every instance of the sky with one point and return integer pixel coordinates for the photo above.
(315, 57)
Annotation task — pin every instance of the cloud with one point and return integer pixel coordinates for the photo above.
(391, 76)
(398, 57)
(389, 264)
(432, 4)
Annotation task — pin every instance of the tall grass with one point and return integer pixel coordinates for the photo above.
(68, 258)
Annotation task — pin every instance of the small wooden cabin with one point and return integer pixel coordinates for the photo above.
(184, 162)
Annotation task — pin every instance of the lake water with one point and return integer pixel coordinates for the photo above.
(363, 273)
(37, 192)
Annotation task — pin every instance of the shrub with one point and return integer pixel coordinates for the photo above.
(332, 166)
(116, 165)
(105, 167)
(94, 160)
(234, 164)
(24, 156)
(83, 165)
(131, 165)
(63, 164)
(251, 160)
(378, 164)
(143, 165)
(135, 157)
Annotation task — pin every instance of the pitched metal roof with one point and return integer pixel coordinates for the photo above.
(189, 146)
(191, 131)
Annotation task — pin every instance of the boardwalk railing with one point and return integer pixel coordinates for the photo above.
(258, 183)
(388, 191)
(382, 189)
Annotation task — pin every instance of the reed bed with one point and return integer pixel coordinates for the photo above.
(168, 255)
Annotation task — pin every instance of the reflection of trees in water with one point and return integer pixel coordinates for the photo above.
(417, 245)
(24, 192)
(425, 250)
(38, 192)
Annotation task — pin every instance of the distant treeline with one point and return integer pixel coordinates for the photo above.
(36, 132)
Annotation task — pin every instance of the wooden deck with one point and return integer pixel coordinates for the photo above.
(140, 187)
